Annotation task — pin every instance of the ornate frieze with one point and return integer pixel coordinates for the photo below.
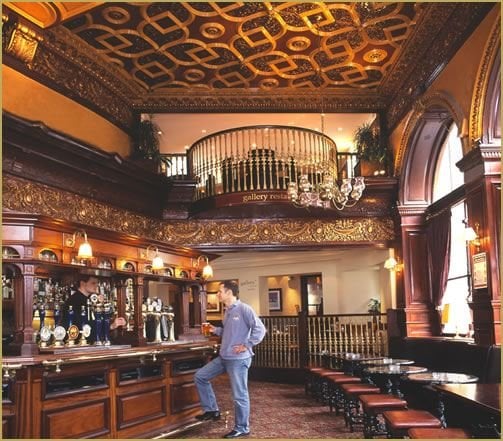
(20, 41)
(28, 197)
(259, 101)
(480, 89)
(444, 29)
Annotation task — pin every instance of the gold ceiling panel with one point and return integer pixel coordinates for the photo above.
(250, 45)
(46, 14)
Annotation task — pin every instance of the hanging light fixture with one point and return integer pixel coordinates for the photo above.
(157, 262)
(325, 192)
(85, 249)
(207, 269)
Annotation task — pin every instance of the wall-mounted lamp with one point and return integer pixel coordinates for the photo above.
(472, 235)
(85, 250)
(157, 262)
(207, 269)
(392, 264)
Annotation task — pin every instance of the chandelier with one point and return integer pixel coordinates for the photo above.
(327, 193)
(321, 189)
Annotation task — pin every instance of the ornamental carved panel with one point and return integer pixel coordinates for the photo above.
(28, 197)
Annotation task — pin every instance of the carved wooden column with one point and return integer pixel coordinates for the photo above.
(422, 319)
(482, 168)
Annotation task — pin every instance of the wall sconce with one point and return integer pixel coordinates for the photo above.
(472, 235)
(393, 265)
(207, 269)
(85, 249)
(157, 262)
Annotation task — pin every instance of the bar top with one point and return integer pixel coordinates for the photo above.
(102, 353)
(484, 396)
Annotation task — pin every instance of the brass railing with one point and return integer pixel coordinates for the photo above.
(259, 158)
(298, 341)
(280, 347)
(365, 334)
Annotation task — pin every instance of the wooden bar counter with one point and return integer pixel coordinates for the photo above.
(99, 392)
(141, 386)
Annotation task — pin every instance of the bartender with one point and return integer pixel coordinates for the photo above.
(86, 286)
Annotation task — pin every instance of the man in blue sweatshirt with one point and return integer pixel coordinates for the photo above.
(242, 329)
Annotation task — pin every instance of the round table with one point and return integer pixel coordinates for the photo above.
(392, 374)
(386, 361)
(442, 377)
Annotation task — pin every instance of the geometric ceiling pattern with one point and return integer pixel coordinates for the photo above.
(250, 45)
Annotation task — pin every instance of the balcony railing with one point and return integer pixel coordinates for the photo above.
(259, 158)
(299, 341)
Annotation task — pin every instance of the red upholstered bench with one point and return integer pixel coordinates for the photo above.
(398, 422)
(351, 392)
(428, 433)
(373, 406)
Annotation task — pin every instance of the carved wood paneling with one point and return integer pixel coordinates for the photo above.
(86, 420)
(184, 396)
(139, 407)
(28, 197)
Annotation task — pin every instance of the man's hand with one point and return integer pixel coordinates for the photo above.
(238, 349)
(119, 321)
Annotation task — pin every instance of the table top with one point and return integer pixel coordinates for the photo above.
(485, 396)
(395, 369)
(442, 377)
(349, 356)
(386, 361)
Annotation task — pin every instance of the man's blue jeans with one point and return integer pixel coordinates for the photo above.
(237, 370)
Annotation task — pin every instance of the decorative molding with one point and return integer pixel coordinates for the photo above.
(20, 41)
(28, 197)
(412, 210)
(438, 99)
(259, 101)
(447, 25)
(493, 47)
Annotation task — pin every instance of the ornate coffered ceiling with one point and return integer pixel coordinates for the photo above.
(255, 45)
(245, 56)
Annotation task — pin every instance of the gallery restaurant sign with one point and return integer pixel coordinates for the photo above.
(252, 198)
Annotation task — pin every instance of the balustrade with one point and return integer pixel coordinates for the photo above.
(282, 346)
(259, 158)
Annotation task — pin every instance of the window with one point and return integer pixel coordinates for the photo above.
(447, 176)
(456, 314)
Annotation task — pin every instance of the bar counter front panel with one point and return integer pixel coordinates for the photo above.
(129, 393)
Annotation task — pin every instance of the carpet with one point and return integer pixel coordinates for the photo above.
(277, 411)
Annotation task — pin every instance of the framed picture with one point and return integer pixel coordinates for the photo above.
(212, 302)
(479, 272)
(275, 299)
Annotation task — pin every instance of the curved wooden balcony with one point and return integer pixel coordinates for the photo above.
(255, 158)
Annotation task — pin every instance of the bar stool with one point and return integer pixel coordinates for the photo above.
(351, 393)
(310, 378)
(373, 406)
(427, 433)
(335, 395)
(398, 422)
(324, 387)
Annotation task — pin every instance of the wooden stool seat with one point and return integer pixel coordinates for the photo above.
(430, 433)
(342, 379)
(359, 388)
(329, 373)
(398, 422)
(373, 406)
(382, 402)
(352, 411)
(316, 369)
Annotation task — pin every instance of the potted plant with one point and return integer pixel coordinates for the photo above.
(373, 155)
(374, 306)
(146, 144)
